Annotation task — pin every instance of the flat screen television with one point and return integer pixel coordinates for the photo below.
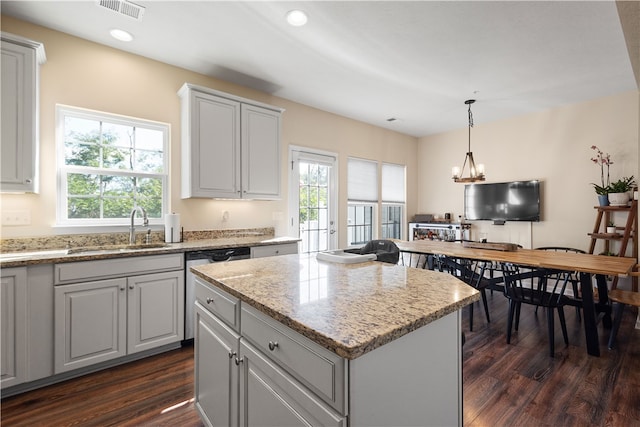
(503, 201)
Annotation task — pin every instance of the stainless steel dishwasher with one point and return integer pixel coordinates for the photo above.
(198, 258)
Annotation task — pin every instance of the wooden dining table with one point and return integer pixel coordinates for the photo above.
(586, 265)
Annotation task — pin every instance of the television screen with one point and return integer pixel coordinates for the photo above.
(503, 201)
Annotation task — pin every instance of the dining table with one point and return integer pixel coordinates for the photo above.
(587, 265)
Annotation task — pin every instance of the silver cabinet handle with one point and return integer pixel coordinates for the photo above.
(273, 345)
(231, 354)
(122, 289)
(209, 300)
(131, 287)
(239, 361)
(28, 181)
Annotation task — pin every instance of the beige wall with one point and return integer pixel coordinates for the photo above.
(88, 75)
(552, 146)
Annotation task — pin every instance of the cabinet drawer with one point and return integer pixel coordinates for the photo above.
(268, 389)
(102, 269)
(316, 367)
(220, 303)
(274, 250)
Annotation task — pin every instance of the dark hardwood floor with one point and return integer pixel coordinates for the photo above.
(515, 384)
(157, 391)
(518, 384)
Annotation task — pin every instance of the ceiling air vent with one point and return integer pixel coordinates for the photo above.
(123, 7)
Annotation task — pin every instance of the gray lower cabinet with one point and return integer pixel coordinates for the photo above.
(26, 316)
(239, 381)
(284, 379)
(100, 320)
(270, 397)
(13, 321)
(216, 374)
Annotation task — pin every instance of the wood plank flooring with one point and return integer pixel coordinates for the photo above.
(515, 384)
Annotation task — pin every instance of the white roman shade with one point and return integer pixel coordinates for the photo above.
(362, 180)
(393, 179)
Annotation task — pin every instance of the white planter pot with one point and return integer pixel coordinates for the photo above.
(611, 230)
(618, 199)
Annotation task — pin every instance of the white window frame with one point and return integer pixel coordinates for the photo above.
(370, 199)
(381, 197)
(392, 198)
(374, 221)
(62, 169)
(402, 219)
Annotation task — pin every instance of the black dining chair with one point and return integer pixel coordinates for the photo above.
(574, 277)
(471, 272)
(547, 292)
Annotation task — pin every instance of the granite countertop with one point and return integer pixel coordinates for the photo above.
(48, 256)
(349, 309)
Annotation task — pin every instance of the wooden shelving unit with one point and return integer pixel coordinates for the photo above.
(623, 235)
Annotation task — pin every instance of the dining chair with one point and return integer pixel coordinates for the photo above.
(623, 299)
(546, 292)
(574, 277)
(471, 272)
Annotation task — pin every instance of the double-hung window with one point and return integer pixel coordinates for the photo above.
(393, 200)
(363, 201)
(362, 182)
(107, 165)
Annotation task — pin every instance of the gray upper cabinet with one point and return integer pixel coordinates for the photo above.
(230, 146)
(21, 60)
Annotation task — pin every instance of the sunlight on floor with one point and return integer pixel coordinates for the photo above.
(177, 405)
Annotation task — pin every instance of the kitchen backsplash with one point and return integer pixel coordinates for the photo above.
(27, 244)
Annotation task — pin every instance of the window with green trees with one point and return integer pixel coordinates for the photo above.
(107, 165)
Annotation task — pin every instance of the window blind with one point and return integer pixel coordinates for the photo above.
(362, 180)
(393, 187)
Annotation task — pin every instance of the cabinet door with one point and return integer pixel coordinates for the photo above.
(269, 397)
(90, 323)
(19, 116)
(216, 373)
(13, 326)
(260, 153)
(155, 310)
(211, 156)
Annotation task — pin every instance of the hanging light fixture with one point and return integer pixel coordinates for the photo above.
(476, 173)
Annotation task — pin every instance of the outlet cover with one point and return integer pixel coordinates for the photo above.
(13, 218)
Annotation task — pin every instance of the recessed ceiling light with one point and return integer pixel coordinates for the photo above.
(296, 17)
(121, 35)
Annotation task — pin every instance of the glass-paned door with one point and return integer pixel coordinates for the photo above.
(312, 189)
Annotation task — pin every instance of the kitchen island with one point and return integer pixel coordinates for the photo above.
(290, 338)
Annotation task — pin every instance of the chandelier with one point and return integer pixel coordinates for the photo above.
(476, 173)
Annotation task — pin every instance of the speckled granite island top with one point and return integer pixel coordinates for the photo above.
(349, 309)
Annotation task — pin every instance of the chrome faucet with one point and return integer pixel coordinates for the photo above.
(132, 228)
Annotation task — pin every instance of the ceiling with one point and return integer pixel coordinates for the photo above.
(414, 61)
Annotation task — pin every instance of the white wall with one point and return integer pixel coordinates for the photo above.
(552, 146)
